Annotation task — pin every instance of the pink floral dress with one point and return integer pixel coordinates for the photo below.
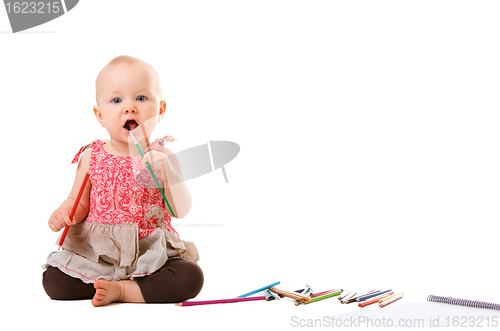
(128, 231)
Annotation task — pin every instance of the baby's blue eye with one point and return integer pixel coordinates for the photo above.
(141, 98)
(116, 100)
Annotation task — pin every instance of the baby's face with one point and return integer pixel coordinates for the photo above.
(128, 94)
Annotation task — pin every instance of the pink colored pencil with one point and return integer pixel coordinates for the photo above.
(75, 205)
(211, 302)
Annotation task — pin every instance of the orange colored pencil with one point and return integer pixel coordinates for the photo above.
(374, 300)
(294, 296)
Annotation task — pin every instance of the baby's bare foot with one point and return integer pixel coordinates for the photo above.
(106, 292)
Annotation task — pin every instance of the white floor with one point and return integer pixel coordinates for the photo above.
(232, 271)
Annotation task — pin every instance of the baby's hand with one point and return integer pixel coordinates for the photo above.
(159, 163)
(59, 219)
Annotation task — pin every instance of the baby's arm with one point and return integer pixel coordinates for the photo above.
(60, 217)
(168, 167)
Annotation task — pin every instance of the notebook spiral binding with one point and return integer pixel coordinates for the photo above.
(464, 302)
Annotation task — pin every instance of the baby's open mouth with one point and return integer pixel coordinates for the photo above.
(130, 125)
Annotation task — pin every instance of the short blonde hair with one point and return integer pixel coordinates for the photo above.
(127, 59)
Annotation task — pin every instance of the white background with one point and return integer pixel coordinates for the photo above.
(369, 147)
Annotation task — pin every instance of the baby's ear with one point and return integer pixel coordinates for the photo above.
(98, 115)
(163, 107)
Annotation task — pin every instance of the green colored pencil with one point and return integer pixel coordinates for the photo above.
(323, 297)
(151, 172)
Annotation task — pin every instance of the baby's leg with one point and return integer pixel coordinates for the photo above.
(60, 286)
(178, 280)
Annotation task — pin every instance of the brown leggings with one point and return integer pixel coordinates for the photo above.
(177, 281)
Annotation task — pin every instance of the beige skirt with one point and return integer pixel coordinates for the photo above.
(113, 252)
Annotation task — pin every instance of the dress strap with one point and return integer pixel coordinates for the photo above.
(154, 146)
(159, 143)
(77, 156)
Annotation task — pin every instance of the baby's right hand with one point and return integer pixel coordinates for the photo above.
(59, 219)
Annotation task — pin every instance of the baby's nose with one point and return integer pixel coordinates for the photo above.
(130, 110)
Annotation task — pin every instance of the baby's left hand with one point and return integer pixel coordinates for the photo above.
(159, 163)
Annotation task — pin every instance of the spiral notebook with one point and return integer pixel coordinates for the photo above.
(464, 302)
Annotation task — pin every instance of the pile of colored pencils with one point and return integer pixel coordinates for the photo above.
(383, 298)
(270, 292)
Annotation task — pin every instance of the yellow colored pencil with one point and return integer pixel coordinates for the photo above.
(389, 297)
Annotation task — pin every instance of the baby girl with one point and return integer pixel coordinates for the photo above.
(121, 246)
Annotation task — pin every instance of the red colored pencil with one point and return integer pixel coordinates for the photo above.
(211, 302)
(75, 205)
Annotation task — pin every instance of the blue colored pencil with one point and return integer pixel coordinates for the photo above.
(258, 290)
(371, 295)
